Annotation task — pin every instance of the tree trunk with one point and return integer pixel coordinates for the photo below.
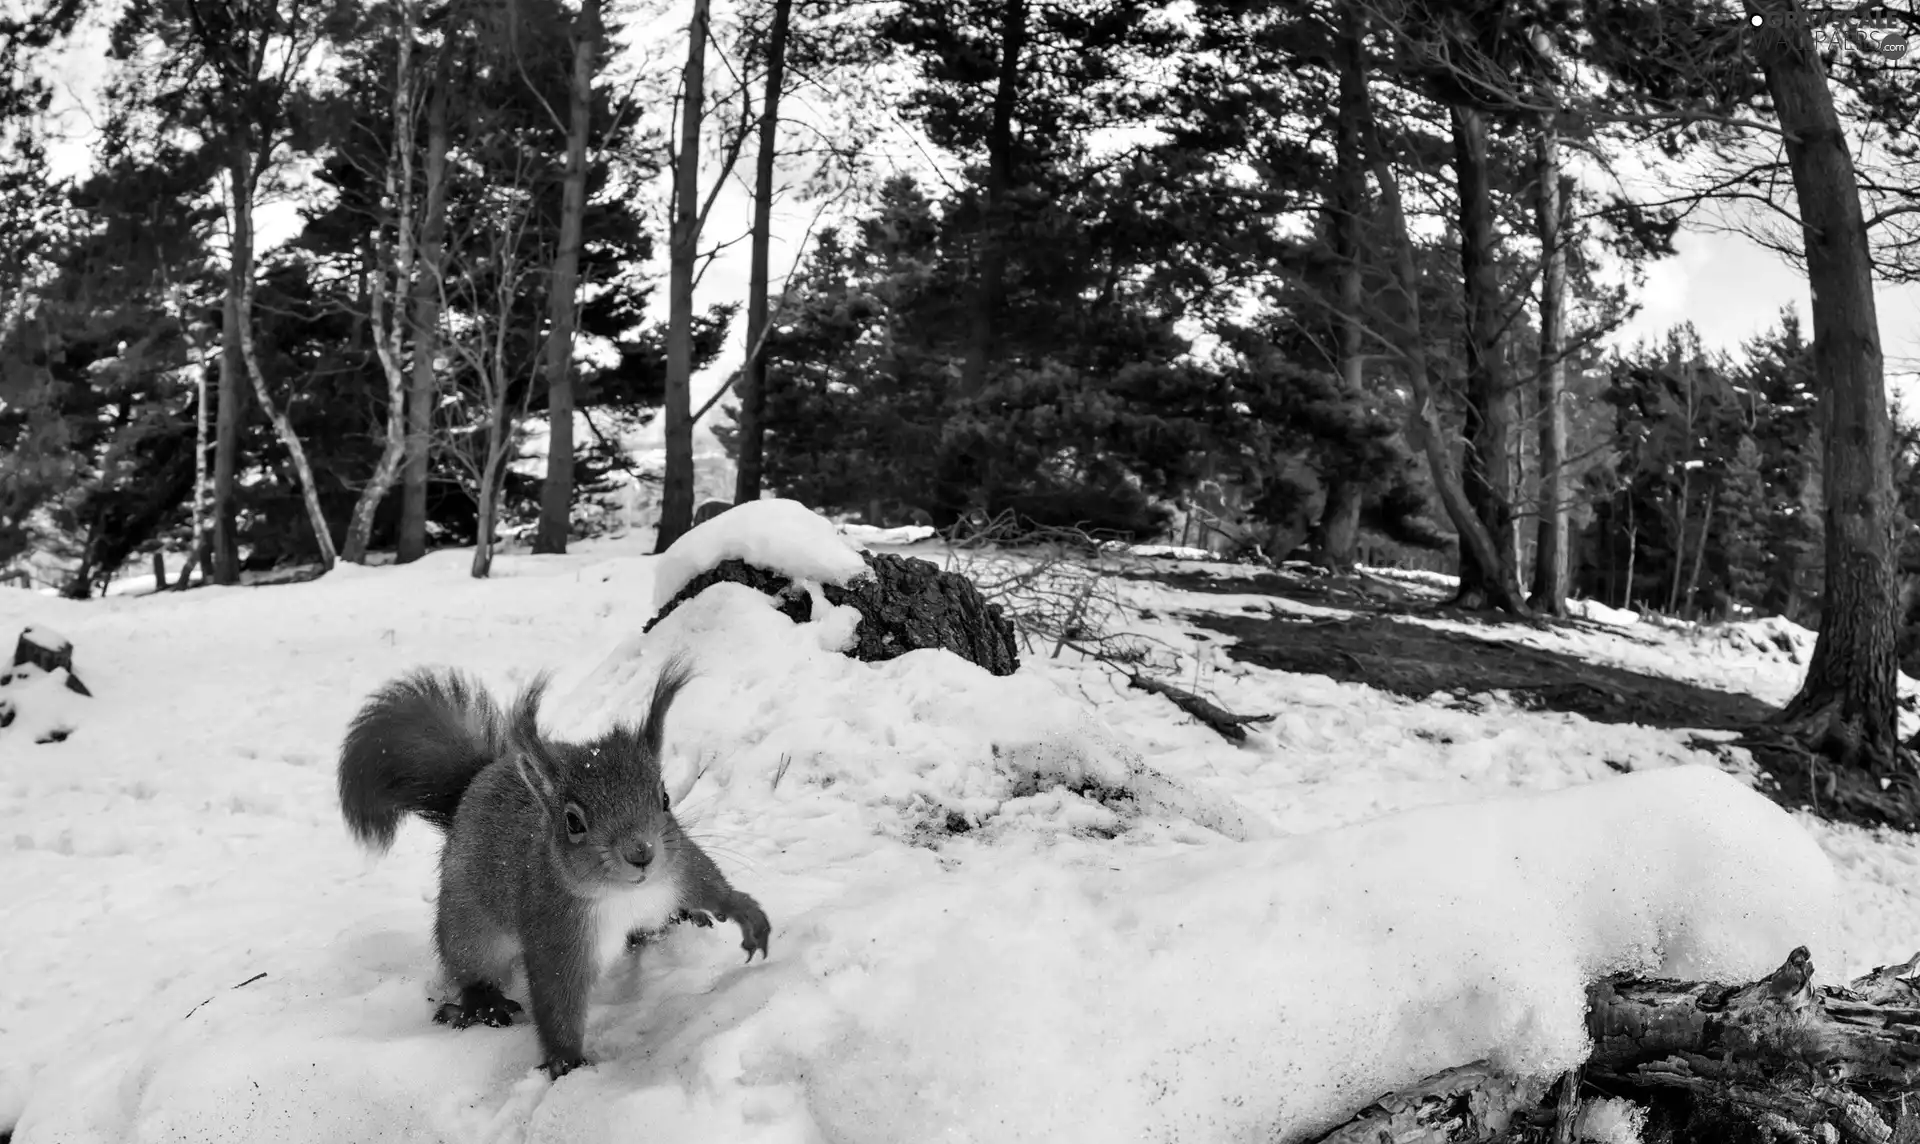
(752, 387)
(1633, 551)
(388, 308)
(966, 474)
(676, 494)
(202, 534)
(1847, 706)
(556, 493)
(1680, 539)
(233, 368)
(1340, 517)
(1550, 559)
(1700, 549)
(1424, 431)
(282, 426)
(1486, 471)
(487, 511)
(422, 390)
(991, 285)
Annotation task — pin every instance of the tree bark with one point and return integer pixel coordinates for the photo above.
(1486, 470)
(1424, 431)
(1550, 563)
(387, 308)
(556, 493)
(1340, 517)
(752, 387)
(1847, 705)
(423, 390)
(676, 494)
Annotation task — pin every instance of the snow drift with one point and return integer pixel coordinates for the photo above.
(991, 922)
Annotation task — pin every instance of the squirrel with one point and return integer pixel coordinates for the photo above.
(562, 854)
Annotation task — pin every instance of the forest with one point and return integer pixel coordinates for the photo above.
(1309, 279)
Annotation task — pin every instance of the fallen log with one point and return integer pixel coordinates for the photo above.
(1778, 1059)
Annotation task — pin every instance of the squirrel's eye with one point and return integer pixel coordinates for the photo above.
(576, 823)
(666, 801)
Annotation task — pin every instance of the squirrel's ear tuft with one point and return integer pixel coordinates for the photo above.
(532, 758)
(673, 677)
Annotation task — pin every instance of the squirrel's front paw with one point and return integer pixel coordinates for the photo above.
(483, 1004)
(558, 1067)
(753, 923)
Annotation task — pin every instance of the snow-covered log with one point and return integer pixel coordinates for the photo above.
(1779, 1057)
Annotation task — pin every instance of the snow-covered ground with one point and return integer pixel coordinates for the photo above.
(973, 939)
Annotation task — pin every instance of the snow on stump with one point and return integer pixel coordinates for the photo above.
(36, 692)
(905, 604)
(49, 651)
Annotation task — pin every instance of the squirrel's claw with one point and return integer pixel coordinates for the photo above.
(484, 1004)
(754, 929)
(561, 1066)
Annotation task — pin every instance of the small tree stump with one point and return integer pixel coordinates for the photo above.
(904, 603)
(709, 510)
(49, 651)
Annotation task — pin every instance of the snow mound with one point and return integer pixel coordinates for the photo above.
(1063, 990)
(778, 535)
(777, 722)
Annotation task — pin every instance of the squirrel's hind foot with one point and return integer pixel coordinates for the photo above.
(558, 1067)
(480, 1003)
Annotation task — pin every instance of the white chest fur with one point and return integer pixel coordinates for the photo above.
(621, 912)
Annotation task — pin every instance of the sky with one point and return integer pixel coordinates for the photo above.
(1729, 287)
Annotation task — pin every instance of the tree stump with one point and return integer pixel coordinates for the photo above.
(708, 510)
(1774, 1059)
(904, 603)
(49, 651)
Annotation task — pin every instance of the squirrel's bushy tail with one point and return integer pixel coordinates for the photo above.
(415, 747)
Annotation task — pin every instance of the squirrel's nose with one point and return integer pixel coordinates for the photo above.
(639, 854)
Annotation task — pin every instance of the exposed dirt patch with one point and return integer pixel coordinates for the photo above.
(1415, 661)
(1380, 648)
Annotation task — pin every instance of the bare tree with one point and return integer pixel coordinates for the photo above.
(753, 372)
(676, 500)
(240, 59)
(422, 390)
(478, 288)
(392, 274)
